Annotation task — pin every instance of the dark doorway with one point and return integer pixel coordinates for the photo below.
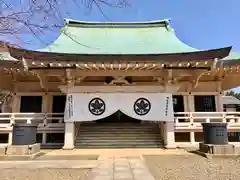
(178, 106)
(31, 104)
(178, 103)
(58, 106)
(204, 103)
(118, 117)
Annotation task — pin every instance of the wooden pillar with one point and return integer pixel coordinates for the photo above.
(15, 109)
(218, 98)
(69, 136)
(169, 135)
(191, 108)
(219, 103)
(46, 108)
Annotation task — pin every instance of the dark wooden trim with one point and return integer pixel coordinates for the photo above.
(171, 57)
(74, 67)
(188, 68)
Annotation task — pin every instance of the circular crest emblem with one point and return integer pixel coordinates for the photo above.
(97, 106)
(142, 106)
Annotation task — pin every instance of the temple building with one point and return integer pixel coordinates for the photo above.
(117, 85)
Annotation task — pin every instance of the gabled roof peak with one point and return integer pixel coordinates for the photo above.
(158, 23)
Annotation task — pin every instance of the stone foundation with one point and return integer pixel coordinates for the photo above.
(3, 150)
(23, 149)
(227, 149)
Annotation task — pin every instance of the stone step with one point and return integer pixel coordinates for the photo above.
(117, 126)
(116, 139)
(119, 132)
(99, 141)
(124, 141)
(118, 129)
(118, 123)
(146, 137)
(116, 135)
(118, 146)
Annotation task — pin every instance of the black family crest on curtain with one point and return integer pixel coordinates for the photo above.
(142, 106)
(97, 106)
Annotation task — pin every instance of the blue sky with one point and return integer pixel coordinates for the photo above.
(201, 24)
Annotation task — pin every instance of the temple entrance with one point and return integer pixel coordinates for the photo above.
(118, 131)
(118, 117)
(100, 123)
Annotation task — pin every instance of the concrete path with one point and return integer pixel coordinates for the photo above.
(120, 168)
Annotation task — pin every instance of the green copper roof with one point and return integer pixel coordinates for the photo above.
(156, 37)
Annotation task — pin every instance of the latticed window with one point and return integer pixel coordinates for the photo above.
(204, 103)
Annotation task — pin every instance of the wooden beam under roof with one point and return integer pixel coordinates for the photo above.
(85, 73)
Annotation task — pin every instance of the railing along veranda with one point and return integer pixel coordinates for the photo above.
(44, 121)
(193, 120)
(183, 120)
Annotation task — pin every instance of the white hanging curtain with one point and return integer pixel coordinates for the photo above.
(148, 107)
(142, 106)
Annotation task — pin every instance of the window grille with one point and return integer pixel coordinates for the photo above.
(204, 103)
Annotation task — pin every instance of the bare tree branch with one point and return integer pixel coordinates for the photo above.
(37, 17)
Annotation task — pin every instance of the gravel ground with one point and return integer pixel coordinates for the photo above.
(43, 174)
(193, 167)
(163, 167)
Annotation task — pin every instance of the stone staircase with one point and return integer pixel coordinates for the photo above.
(118, 135)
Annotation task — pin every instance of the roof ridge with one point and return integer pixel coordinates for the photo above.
(156, 23)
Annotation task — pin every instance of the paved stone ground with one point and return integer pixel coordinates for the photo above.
(114, 152)
(167, 166)
(57, 164)
(107, 168)
(121, 168)
(43, 174)
(193, 167)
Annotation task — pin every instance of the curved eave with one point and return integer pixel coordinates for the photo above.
(189, 56)
(232, 60)
(6, 60)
